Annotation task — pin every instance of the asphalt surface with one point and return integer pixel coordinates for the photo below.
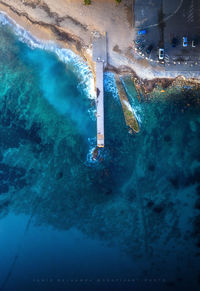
(167, 21)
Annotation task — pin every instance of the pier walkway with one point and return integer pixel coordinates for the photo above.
(100, 104)
(100, 57)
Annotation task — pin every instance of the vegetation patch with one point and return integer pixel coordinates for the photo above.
(87, 2)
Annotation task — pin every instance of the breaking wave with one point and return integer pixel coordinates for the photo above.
(110, 85)
(65, 55)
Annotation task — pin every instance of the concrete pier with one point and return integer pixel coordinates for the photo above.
(100, 57)
(100, 104)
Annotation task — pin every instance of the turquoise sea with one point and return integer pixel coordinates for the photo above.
(129, 221)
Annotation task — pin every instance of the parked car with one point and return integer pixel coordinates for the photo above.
(141, 47)
(194, 43)
(138, 41)
(142, 32)
(174, 42)
(185, 42)
(161, 53)
(149, 49)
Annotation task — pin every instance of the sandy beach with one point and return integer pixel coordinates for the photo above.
(73, 25)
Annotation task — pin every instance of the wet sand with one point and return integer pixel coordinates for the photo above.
(73, 25)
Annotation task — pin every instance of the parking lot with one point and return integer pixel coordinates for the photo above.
(165, 23)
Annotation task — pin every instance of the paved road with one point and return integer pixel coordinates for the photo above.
(146, 11)
(100, 49)
(179, 18)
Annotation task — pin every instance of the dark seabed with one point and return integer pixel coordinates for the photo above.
(130, 221)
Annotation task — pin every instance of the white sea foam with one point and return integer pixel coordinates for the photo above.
(110, 85)
(65, 55)
(92, 145)
(136, 110)
(103, 154)
(128, 105)
(92, 113)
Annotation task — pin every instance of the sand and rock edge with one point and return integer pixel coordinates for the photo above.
(41, 21)
(44, 20)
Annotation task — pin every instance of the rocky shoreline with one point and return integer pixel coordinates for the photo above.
(51, 29)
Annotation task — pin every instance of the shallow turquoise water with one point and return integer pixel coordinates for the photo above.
(134, 214)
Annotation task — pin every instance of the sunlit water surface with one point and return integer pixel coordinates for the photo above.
(131, 215)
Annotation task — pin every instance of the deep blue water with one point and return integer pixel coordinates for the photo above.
(132, 217)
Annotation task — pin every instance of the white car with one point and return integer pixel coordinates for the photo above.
(194, 43)
(161, 54)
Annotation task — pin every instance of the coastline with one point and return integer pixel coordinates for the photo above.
(65, 55)
(126, 214)
(51, 32)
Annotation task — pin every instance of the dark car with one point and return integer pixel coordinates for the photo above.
(149, 49)
(138, 41)
(174, 42)
(141, 47)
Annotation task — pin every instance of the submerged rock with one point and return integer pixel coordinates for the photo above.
(158, 208)
(167, 138)
(4, 188)
(95, 153)
(197, 204)
(198, 190)
(59, 175)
